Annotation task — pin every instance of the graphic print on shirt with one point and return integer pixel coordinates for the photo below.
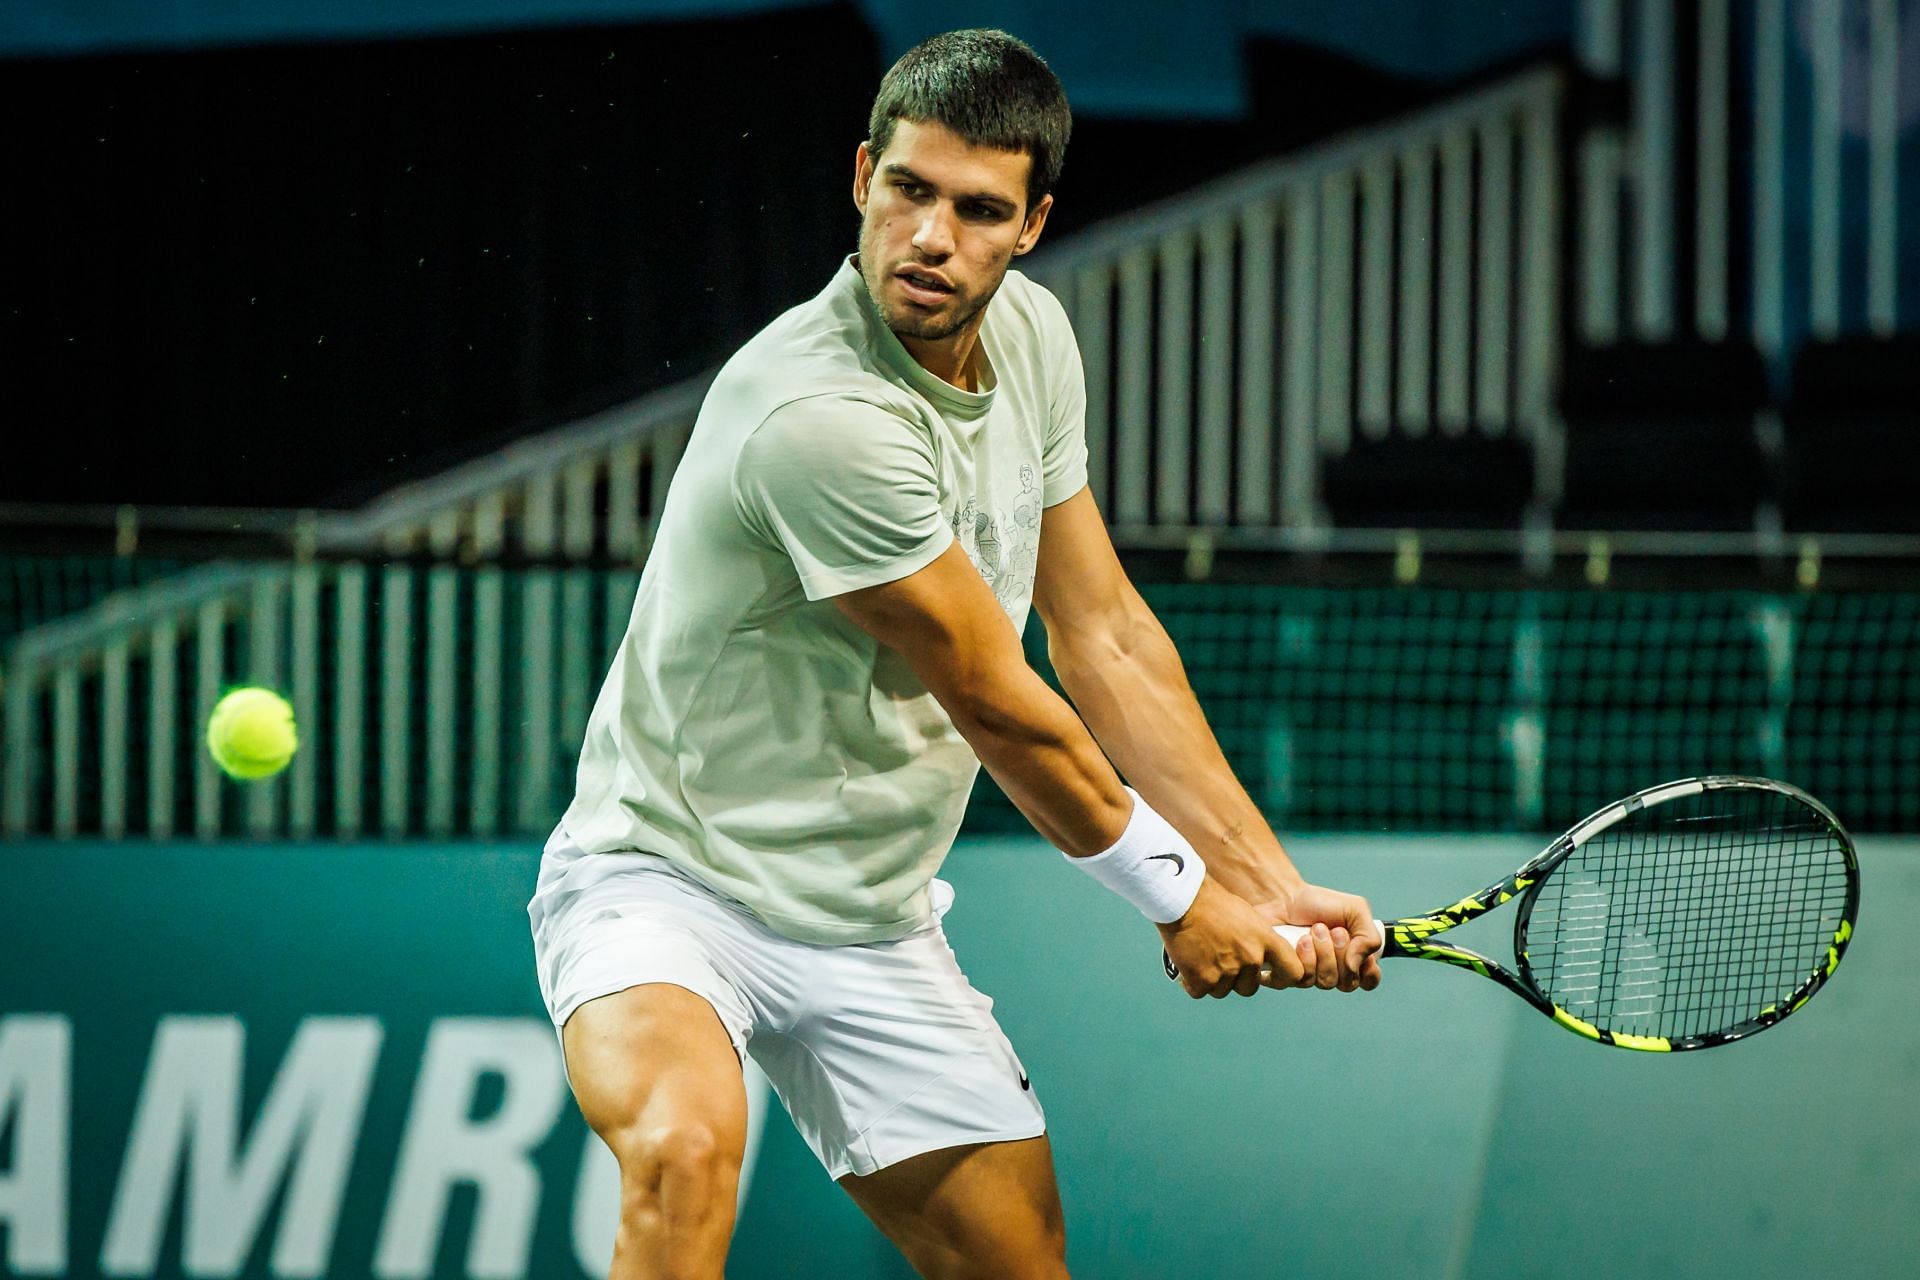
(1004, 546)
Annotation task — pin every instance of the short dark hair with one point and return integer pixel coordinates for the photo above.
(987, 86)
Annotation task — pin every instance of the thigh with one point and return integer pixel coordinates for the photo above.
(654, 1062)
(987, 1210)
(629, 960)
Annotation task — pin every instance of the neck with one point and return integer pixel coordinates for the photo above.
(950, 359)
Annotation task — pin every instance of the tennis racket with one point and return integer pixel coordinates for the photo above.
(1685, 916)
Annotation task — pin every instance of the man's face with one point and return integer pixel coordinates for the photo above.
(940, 220)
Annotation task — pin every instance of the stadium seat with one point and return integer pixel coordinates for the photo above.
(1661, 436)
(1852, 436)
(1429, 482)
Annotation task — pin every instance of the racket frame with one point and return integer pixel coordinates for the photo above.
(1412, 936)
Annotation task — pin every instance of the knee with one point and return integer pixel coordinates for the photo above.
(677, 1169)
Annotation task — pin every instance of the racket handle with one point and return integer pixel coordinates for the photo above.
(1289, 933)
(1294, 932)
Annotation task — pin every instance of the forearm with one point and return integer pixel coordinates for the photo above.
(1131, 690)
(1044, 758)
(953, 634)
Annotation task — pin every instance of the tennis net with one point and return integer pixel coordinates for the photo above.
(446, 701)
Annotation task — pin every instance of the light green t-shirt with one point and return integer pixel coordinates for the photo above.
(748, 731)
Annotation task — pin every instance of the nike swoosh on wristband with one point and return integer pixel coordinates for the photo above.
(1179, 863)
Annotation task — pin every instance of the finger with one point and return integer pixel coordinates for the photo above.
(1282, 969)
(1326, 968)
(1248, 981)
(1370, 975)
(1349, 973)
(1318, 968)
(1308, 960)
(1224, 987)
(1360, 946)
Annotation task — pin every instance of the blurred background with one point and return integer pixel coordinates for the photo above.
(1506, 404)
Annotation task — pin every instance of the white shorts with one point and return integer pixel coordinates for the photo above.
(879, 1051)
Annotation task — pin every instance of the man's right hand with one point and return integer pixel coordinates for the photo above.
(1222, 945)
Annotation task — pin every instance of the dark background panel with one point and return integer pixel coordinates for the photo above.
(298, 275)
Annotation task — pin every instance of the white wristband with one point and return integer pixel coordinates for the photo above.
(1151, 865)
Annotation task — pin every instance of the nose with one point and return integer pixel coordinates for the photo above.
(933, 238)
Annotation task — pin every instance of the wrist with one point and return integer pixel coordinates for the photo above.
(1259, 882)
(1151, 865)
(1206, 900)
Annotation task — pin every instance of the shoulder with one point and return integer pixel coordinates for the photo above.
(836, 479)
(808, 360)
(1033, 327)
(845, 415)
(832, 437)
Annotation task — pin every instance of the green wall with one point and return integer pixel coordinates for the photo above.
(1435, 1127)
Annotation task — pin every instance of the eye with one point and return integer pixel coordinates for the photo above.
(982, 211)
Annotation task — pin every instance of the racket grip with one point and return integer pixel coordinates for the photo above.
(1294, 932)
(1289, 933)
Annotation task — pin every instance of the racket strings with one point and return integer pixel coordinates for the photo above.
(1691, 917)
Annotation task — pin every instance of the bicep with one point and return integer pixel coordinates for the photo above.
(944, 620)
(1079, 586)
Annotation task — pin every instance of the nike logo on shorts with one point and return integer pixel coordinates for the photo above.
(1024, 1083)
(1179, 863)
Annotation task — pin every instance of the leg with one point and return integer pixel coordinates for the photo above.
(657, 1078)
(987, 1210)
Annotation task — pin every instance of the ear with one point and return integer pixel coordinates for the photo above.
(862, 177)
(1036, 220)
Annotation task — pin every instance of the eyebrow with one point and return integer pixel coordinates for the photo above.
(895, 169)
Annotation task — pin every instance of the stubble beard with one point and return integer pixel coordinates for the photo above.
(929, 328)
(906, 321)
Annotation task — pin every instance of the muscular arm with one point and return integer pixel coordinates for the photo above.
(1125, 678)
(954, 634)
(945, 622)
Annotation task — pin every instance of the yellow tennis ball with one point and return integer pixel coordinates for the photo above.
(251, 733)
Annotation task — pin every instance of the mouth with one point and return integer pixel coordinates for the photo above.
(927, 288)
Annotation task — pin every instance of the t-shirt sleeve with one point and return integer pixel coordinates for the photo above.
(848, 490)
(1065, 459)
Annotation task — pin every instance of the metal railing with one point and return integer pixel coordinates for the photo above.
(590, 490)
(1404, 279)
(433, 700)
(437, 701)
(1682, 138)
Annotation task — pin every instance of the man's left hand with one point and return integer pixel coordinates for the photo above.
(1341, 946)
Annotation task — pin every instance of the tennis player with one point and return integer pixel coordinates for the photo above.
(824, 648)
